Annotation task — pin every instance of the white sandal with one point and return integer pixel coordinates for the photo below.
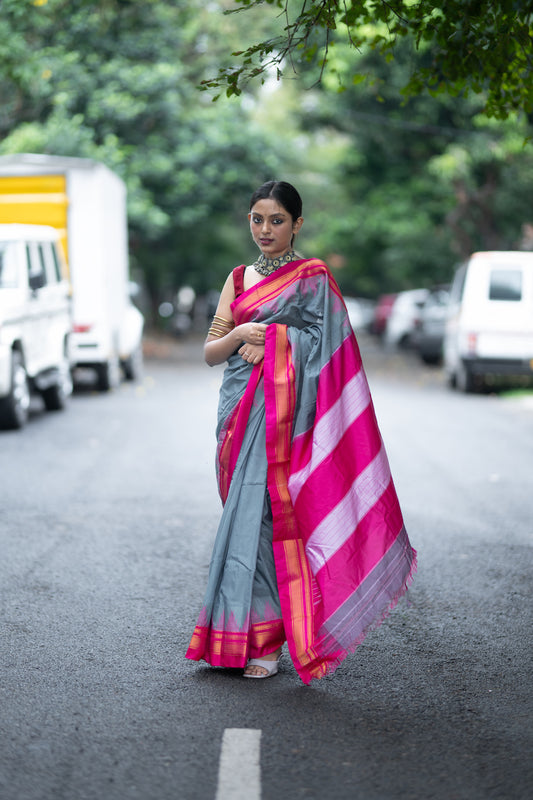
(270, 666)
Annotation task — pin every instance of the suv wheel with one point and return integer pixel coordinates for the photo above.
(55, 397)
(108, 375)
(464, 379)
(14, 408)
(133, 366)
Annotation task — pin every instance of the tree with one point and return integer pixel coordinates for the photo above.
(405, 192)
(396, 194)
(115, 80)
(467, 46)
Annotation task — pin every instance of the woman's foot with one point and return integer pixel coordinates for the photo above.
(255, 668)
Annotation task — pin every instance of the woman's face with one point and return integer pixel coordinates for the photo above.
(272, 227)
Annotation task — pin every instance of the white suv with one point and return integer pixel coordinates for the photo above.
(35, 322)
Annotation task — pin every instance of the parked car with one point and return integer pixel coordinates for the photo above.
(403, 318)
(35, 322)
(428, 337)
(489, 331)
(361, 312)
(381, 313)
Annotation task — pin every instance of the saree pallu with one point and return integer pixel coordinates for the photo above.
(299, 444)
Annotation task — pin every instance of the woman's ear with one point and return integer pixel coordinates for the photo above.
(297, 225)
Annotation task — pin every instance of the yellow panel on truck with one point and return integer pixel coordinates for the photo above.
(35, 200)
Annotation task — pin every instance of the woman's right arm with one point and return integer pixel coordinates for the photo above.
(217, 348)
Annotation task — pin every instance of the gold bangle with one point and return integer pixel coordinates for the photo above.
(225, 321)
(220, 327)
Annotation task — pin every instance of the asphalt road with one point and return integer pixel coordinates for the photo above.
(107, 517)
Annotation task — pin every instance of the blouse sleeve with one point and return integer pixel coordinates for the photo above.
(238, 279)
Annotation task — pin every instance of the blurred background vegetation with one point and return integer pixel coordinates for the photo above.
(395, 193)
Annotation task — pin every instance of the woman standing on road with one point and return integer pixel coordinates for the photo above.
(311, 548)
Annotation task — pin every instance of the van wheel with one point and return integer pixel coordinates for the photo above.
(464, 379)
(15, 407)
(55, 397)
(108, 375)
(427, 359)
(133, 366)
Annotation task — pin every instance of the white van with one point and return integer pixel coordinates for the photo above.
(489, 331)
(35, 322)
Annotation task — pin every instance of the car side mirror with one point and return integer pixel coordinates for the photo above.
(37, 281)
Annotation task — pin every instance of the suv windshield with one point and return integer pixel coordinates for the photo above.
(8, 265)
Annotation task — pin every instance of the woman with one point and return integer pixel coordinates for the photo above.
(311, 548)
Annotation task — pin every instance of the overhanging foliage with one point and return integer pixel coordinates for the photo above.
(468, 45)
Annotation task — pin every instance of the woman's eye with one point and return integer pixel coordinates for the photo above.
(256, 220)
(277, 221)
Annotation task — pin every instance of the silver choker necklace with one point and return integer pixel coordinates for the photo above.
(265, 266)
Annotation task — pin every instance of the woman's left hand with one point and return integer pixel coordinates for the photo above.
(252, 332)
(252, 353)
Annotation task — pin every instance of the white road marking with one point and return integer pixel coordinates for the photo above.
(239, 771)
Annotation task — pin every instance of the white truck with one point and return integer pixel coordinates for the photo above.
(86, 203)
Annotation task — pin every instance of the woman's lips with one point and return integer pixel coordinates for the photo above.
(266, 241)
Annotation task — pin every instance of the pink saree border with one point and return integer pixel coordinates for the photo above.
(272, 286)
(230, 447)
(232, 648)
(312, 601)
